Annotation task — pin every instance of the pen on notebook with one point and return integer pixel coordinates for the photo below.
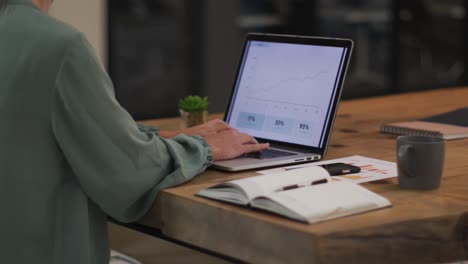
(294, 168)
(295, 186)
(319, 181)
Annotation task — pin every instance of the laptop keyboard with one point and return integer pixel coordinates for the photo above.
(268, 154)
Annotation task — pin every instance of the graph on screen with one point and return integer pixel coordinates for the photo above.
(284, 91)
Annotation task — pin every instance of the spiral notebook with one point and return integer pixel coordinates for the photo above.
(450, 125)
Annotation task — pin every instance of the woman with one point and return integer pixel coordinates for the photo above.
(70, 154)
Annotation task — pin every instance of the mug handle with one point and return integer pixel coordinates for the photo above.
(405, 154)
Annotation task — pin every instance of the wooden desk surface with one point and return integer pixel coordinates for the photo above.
(421, 227)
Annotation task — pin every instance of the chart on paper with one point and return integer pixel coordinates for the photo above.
(371, 169)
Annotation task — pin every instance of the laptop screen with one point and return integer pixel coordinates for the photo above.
(284, 91)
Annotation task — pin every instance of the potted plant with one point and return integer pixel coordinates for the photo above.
(193, 110)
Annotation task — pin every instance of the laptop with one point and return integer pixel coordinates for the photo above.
(286, 93)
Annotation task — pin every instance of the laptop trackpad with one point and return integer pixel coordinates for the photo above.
(269, 154)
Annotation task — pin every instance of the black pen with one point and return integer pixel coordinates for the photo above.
(295, 186)
(290, 187)
(319, 181)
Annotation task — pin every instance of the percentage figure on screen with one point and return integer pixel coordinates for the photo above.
(251, 118)
(304, 126)
(279, 123)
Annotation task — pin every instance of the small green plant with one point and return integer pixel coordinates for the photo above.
(193, 103)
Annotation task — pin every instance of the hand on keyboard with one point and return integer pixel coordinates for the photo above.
(231, 143)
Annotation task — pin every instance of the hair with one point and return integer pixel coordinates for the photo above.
(3, 3)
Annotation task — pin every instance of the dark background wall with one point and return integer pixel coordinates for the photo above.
(162, 50)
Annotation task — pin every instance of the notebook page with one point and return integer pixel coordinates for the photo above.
(326, 201)
(264, 184)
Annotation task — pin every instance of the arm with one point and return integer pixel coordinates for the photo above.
(119, 165)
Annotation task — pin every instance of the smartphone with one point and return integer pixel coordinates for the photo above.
(335, 169)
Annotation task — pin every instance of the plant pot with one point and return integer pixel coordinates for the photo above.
(190, 119)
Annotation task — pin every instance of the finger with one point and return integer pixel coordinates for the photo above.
(247, 139)
(221, 125)
(255, 147)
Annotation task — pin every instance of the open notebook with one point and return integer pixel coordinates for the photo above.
(307, 195)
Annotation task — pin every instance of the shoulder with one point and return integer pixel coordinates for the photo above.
(38, 30)
(56, 33)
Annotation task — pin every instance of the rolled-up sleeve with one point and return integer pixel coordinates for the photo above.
(120, 165)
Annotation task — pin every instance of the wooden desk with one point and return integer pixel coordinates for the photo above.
(421, 227)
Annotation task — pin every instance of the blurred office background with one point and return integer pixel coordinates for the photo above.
(161, 50)
(158, 51)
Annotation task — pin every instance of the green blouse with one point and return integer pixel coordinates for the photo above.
(70, 155)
